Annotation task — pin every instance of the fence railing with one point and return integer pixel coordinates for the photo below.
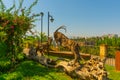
(112, 54)
(110, 61)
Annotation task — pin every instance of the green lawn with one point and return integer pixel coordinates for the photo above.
(30, 70)
(112, 73)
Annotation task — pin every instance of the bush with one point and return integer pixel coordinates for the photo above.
(5, 65)
(20, 57)
(90, 50)
(14, 23)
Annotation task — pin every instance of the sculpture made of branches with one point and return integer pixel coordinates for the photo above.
(42, 47)
(64, 41)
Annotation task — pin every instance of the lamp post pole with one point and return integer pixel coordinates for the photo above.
(50, 18)
(42, 14)
(48, 24)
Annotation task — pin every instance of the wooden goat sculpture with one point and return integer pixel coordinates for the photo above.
(64, 41)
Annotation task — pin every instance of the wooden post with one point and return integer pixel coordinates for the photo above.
(103, 51)
(117, 60)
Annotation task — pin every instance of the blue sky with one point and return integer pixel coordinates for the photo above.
(82, 17)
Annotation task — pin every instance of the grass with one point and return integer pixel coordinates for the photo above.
(112, 73)
(30, 70)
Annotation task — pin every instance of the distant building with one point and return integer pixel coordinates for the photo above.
(110, 36)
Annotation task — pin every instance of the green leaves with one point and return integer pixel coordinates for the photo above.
(2, 34)
(20, 6)
(28, 11)
(2, 9)
(11, 8)
(14, 23)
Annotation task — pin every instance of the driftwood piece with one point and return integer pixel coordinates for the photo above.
(43, 60)
(68, 68)
(32, 54)
(92, 69)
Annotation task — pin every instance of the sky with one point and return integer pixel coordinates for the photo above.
(83, 18)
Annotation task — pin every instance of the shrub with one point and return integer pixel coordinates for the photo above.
(14, 23)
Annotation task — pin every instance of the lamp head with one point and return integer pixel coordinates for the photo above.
(42, 14)
(51, 19)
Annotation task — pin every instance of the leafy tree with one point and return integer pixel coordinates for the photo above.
(14, 23)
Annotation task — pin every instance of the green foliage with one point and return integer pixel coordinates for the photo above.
(20, 57)
(111, 52)
(5, 65)
(14, 23)
(34, 39)
(113, 44)
(12, 76)
(3, 48)
(28, 11)
(6, 62)
(2, 9)
(108, 41)
(89, 50)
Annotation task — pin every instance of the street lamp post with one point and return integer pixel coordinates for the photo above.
(42, 14)
(50, 18)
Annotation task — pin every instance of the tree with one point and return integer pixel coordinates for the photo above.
(15, 23)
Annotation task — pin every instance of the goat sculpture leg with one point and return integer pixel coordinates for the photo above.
(74, 47)
(75, 51)
(57, 45)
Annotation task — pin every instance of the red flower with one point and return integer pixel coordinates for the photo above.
(12, 27)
